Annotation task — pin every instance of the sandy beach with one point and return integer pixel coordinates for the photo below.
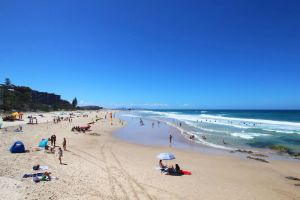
(97, 165)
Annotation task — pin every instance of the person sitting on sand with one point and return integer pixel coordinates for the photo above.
(171, 170)
(46, 176)
(49, 149)
(161, 165)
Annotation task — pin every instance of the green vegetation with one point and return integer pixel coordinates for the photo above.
(74, 102)
(284, 149)
(19, 98)
(280, 148)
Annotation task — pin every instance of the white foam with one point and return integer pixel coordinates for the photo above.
(199, 140)
(130, 115)
(282, 131)
(248, 136)
(241, 123)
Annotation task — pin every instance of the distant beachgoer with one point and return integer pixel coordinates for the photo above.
(203, 137)
(141, 122)
(158, 122)
(170, 138)
(152, 124)
(51, 140)
(65, 144)
(20, 128)
(60, 155)
(192, 137)
(180, 124)
(54, 140)
(224, 142)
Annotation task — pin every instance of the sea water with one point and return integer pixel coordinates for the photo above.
(232, 129)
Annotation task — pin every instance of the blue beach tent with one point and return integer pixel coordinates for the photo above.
(43, 143)
(17, 147)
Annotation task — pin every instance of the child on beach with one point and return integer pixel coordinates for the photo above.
(60, 155)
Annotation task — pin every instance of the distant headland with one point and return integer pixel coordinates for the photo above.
(23, 98)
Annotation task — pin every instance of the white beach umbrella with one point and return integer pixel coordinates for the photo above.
(166, 156)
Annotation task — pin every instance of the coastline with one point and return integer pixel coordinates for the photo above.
(106, 167)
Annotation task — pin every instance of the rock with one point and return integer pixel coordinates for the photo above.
(244, 151)
(293, 178)
(258, 159)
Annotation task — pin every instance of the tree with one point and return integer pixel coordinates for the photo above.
(7, 82)
(74, 102)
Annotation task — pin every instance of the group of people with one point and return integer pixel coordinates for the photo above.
(170, 170)
(81, 128)
(32, 119)
(51, 148)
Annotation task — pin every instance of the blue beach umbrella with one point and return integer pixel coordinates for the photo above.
(166, 156)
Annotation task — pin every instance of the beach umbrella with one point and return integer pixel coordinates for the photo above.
(166, 156)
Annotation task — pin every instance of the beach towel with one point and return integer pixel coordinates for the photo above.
(44, 167)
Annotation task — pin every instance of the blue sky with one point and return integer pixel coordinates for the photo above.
(162, 54)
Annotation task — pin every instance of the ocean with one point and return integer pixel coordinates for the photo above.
(232, 129)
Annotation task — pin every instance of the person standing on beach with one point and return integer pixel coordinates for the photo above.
(51, 140)
(65, 144)
(54, 140)
(170, 137)
(60, 155)
(152, 124)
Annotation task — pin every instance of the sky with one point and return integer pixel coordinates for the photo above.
(155, 54)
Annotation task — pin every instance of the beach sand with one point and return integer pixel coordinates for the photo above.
(100, 166)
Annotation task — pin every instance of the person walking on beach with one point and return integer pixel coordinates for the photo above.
(54, 140)
(152, 124)
(170, 138)
(141, 122)
(60, 155)
(65, 144)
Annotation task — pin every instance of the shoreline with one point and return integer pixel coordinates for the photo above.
(103, 166)
(183, 142)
